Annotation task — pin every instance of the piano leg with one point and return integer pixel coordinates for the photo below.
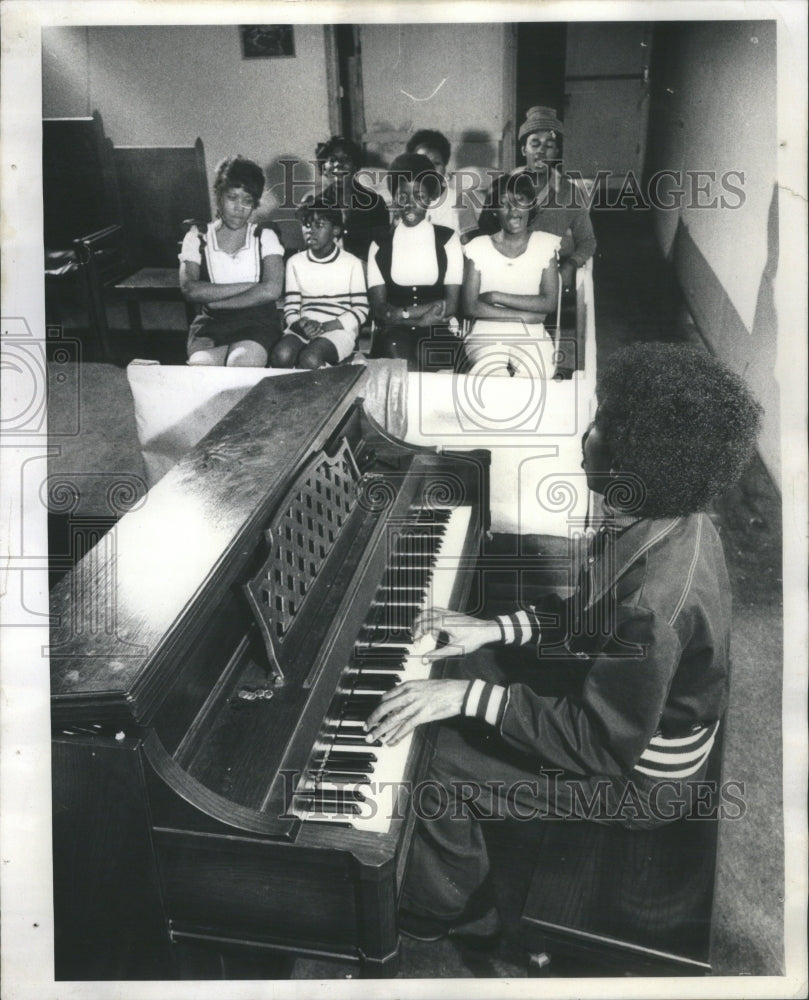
(107, 907)
(378, 935)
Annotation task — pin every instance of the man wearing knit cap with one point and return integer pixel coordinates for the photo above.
(561, 209)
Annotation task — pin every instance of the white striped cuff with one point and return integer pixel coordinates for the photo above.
(518, 628)
(678, 757)
(485, 701)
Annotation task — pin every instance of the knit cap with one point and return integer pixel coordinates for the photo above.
(539, 119)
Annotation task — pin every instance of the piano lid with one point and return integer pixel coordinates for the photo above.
(118, 615)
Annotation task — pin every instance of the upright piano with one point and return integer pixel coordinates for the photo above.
(213, 659)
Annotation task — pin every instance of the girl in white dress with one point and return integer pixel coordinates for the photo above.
(510, 285)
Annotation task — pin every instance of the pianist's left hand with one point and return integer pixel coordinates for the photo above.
(411, 704)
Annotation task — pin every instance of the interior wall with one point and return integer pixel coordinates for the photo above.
(443, 76)
(166, 85)
(714, 111)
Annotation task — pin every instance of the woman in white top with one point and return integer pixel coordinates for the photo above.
(510, 285)
(415, 273)
(234, 271)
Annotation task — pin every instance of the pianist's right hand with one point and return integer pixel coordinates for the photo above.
(458, 634)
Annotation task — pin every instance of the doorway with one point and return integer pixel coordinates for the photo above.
(349, 107)
(540, 74)
(596, 76)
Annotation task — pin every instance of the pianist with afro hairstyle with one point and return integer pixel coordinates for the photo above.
(630, 719)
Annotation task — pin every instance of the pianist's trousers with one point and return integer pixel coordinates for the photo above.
(475, 776)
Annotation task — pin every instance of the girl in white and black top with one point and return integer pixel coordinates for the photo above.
(415, 273)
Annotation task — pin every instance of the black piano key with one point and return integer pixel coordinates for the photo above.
(345, 768)
(347, 757)
(349, 700)
(335, 777)
(390, 636)
(385, 681)
(368, 660)
(346, 771)
(335, 797)
(356, 739)
(358, 712)
(319, 808)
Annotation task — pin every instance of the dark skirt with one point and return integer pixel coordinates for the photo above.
(261, 324)
(424, 348)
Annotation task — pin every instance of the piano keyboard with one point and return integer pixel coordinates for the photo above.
(347, 780)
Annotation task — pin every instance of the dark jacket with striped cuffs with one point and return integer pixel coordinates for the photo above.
(649, 625)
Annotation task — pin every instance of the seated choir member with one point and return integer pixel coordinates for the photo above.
(234, 270)
(415, 271)
(561, 206)
(644, 638)
(364, 213)
(325, 302)
(445, 209)
(510, 285)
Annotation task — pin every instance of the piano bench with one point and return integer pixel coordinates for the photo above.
(605, 899)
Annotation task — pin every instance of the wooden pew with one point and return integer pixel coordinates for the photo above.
(79, 188)
(135, 257)
(80, 195)
(160, 187)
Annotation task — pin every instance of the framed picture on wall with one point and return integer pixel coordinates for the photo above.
(267, 41)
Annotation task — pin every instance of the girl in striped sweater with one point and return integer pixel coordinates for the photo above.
(325, 302)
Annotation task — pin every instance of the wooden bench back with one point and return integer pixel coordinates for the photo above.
(160, 186)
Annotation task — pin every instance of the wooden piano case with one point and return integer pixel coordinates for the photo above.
(191, 672)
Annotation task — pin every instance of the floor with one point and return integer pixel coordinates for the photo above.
(636, 298)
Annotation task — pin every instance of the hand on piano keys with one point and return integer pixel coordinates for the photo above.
(353, 775)
(416, 702)
(455, 633)
(411, 704)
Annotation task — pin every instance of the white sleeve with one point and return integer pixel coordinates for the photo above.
(189, 251)
(374, 274)
(292, 293)
(270, 244)
(454, 275)
(545, 247)
(474, 250)
(353, 317)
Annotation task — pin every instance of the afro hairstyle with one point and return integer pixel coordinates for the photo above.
(325, 149)
(431, 139)
(678, 422)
